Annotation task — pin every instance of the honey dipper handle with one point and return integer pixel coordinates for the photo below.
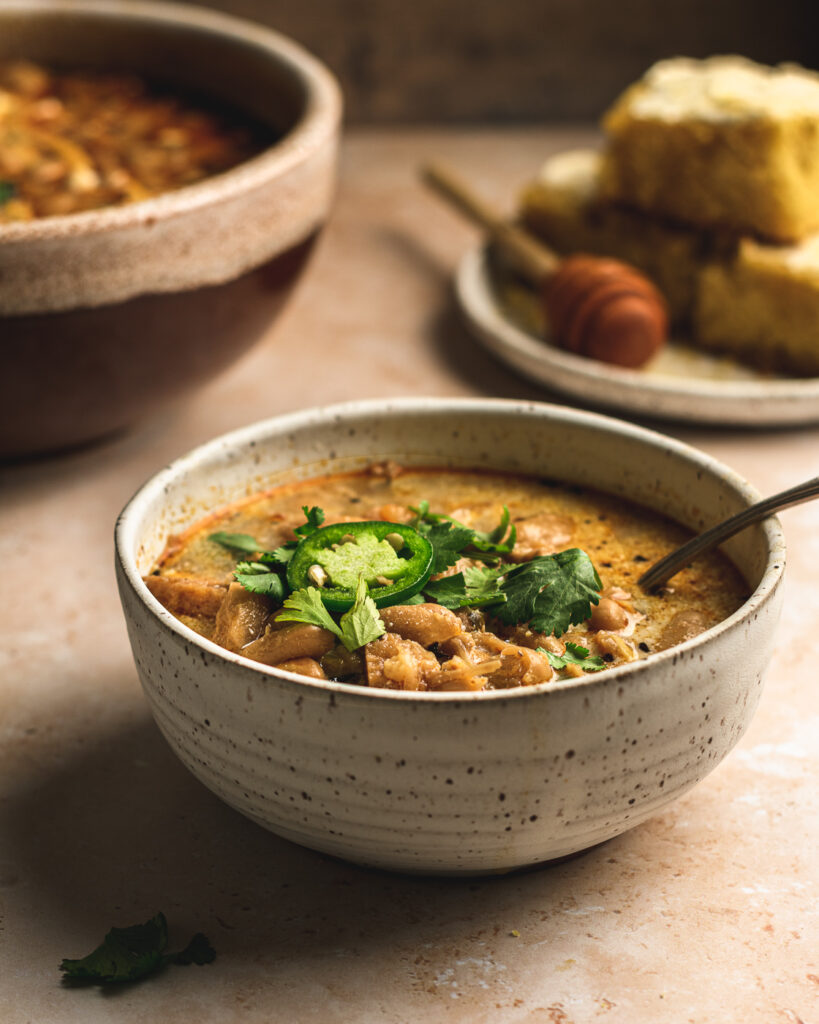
(531, 258)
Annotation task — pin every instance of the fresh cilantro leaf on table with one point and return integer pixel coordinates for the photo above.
(127, 954)
(551, 592)
(357, 626)
(198, 951)
(575, 655)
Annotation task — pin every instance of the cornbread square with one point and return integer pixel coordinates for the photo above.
(763, 307)
(563, 207)
(722, 142)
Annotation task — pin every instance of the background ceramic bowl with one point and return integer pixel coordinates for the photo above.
(106, 314)
(449, 783)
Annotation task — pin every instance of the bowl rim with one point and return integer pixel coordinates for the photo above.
(289, 423)
(318, 124)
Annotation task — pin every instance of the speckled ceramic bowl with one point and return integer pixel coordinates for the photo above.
(107, 314)
(448, 782)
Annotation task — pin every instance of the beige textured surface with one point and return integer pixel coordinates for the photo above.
(706, 913)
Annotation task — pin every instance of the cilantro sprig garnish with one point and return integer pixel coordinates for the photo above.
(315, 517)
(472, 588)
(549, 592)
(236, 541)
(356, 627)
(574, 655)
(258, 578)
(452, 540)
(128, 954)
(7, 191)
(264, 573)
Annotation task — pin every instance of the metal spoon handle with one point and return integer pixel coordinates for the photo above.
(663, 570)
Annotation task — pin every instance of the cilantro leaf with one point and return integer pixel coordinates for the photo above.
(252, 568)
(450, 591)
(7, 191)
(551, 592)
(448, 543)
(244, 542)
(258, 579)
(279, 556)
(236, 541)
(484, 578)
(124, 955)
(448, 538)
(493, 541)
(314, 516)
(305, 605)
(361, 623)
(451, 539)
(127, 954)
(471, 588)
(575, 655)
(198, 951)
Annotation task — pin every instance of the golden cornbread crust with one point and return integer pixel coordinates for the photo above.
(763, 307)
(719, 143)
(757, 302)
(563, 207)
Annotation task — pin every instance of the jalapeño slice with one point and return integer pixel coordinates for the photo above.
(394, 559)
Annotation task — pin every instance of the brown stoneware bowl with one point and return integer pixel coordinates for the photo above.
(107, 314)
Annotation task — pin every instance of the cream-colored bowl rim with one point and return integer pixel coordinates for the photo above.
(318, 123)
(129, 523)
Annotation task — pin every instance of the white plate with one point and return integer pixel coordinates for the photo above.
(680, 384)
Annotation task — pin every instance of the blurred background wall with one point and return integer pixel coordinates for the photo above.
(521, 60)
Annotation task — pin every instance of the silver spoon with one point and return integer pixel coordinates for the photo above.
(663, 570)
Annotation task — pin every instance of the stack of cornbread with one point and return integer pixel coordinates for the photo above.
(709, 183)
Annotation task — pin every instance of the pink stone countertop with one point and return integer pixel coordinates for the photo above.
(706, 913)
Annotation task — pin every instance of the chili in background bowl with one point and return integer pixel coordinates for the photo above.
(451, 783)
(108, 314)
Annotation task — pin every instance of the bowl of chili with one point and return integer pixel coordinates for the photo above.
(436, 781)
(164, 173)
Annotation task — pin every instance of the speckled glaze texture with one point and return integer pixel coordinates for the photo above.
(202, 235)
(106, 314)
(451, 783)
(680, 385)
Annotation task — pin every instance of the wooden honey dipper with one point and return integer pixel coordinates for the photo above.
(596, 307)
